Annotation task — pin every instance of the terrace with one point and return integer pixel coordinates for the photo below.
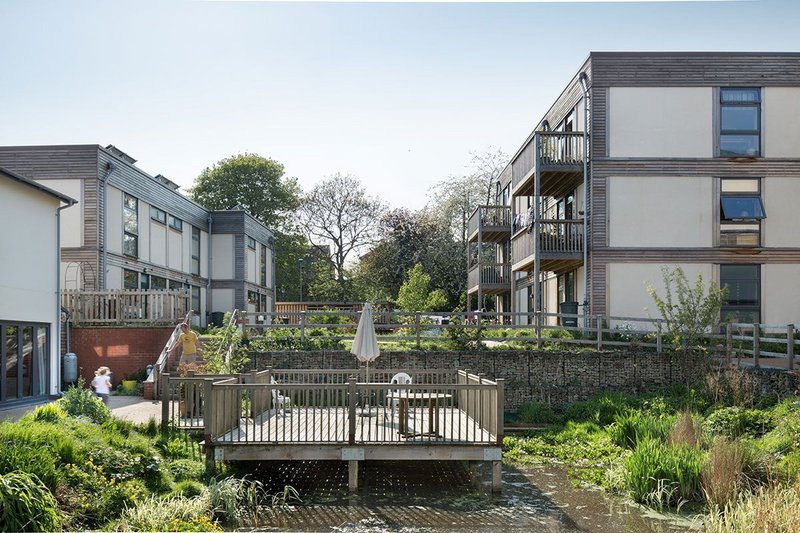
(556, 156)
(345, 415)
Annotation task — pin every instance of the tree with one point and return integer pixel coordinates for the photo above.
(416, 295)
(688, 312)
(487, 167)
(258, 184)
(338, 212)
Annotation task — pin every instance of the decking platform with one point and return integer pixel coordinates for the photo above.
(290, 415)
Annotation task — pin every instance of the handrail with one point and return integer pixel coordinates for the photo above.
(125, 306)
(554, 148)
(163, 358)
(230, 338)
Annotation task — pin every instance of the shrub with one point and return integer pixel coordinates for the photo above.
(633, 427)
(602, 410)
(51, 413)
(658, 474)
(723, 472)
(188, 489)
(26, 504)
(537, 413)
(78, 401)
(733, 422)
(186, 469)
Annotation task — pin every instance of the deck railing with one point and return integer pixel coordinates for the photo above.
(489, 216)
(126, 306)
(555, 149)
(555, 237)
(438, 407)
(489, 274)
(162, 363)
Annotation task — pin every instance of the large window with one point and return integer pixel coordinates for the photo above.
(130, 221)
(740, 122)
(741, 212)
(157, 282)
(24, 360)
(743, 303)
(195, 251)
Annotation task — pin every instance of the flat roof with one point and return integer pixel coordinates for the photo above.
(36, 185)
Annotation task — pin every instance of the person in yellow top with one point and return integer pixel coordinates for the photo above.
(190, 347)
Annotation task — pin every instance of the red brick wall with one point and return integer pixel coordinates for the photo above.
(123, 350)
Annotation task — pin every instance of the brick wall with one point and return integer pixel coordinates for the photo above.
(549, 376)
(124, 350)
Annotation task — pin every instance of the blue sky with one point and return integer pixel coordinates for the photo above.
(396, 94)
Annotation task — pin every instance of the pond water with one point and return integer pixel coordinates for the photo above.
(431, 496)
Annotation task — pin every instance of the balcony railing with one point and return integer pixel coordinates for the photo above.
(555, 149)
(555, 237)
(489, 274)
(494, 216)
(126, 306)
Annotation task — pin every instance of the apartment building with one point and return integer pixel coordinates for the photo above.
(648, 160)
(132, 230)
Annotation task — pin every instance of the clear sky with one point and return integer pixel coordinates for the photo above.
(395, 94)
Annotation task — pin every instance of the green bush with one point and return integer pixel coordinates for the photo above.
(186, 469)
(188, 489)
(26, 504)
(733, 422)
(537, 413)
(658, 474)
(602, 410)
(78, 401)
(49, 413)
(633, 427)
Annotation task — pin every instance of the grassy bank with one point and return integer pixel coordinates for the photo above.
(71, 466)
(722, 450)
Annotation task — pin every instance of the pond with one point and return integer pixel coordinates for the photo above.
(433, 496)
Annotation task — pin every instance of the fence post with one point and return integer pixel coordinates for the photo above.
(208, 424)
(417, 322)
(303, 328)
(351, 411)
(599, 332)
(659, 347)
(165, 400)
(729, 342)
(478, 319)
(790, 345)
(756, 344)
(537, 319)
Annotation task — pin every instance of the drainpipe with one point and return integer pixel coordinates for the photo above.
(58, 296)
(104, 232)
(584, 80)
(208, 274)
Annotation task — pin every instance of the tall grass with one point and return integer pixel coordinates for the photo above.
(657, 472)
(634, 427)
(687, 431)
(770, 509)
(26, 504)
(169, 514)
(723, 473)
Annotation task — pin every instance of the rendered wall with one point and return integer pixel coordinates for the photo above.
(781, 112)
(113, 219)
(660, 212)
(660, 122)
(782, 226)
(627, 286)
(221, 257)
(72, 218)
(780, 294)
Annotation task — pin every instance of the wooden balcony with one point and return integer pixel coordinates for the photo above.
(560, 159)
(115, 307)
(492, 223)
(490, 278)
(560, 246)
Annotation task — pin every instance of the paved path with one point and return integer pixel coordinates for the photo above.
(133, 408)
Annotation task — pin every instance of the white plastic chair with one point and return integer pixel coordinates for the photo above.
(401, 378)
(279, 401)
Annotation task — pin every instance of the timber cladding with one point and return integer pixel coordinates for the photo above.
(554, 377)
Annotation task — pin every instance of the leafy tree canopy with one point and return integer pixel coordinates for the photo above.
(416, 295)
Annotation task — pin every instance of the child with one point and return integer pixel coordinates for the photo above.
(102, 384)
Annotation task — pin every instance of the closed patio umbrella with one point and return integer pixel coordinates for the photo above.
(365, 345)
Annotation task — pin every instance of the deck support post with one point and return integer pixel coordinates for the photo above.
(790, 345)
(208, 423)
(352, 476)
(165, 400)
(497, 476)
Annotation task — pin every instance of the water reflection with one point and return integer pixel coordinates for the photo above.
(440, 496)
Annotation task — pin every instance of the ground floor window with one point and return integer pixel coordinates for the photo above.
(743, 303)
(24, 360)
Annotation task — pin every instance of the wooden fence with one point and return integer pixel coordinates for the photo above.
(126, 306)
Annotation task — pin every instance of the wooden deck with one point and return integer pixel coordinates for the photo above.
(328, 414)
